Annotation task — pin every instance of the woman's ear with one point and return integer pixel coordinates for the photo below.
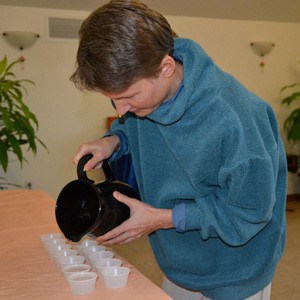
(168, 66)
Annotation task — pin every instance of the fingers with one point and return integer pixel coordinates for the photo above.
(113, 237)
(139, 224)
(127, 241)
(93, 163)
(83, 150)
(101, 149)
(117, 239)
(124, 233)
(124, 199)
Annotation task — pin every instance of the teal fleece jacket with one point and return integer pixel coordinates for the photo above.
(216, 152)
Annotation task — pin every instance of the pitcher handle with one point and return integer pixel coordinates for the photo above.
(81, 173)
(107, 171)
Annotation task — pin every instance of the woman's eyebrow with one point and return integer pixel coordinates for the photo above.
(124, 97)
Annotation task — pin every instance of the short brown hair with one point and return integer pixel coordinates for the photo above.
(121, 42)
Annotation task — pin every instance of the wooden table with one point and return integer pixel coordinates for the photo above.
(27, 272)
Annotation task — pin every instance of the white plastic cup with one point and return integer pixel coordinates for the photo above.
(64, 261)
(86, 251)
(97, 256)
(52, 250)
(115, 278)
(54, 242)
(82, 283)
(84, 244)
(64, 252)
(72, 269)
(107, 263)
(91, 249)
(50, 236)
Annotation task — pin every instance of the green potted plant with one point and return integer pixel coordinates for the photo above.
(18, 125)
(290, 94)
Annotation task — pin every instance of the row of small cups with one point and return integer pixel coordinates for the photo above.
(113, 274)
(65, 253)
(78, 274)
(104, 263)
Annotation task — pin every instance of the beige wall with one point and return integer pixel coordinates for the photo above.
(68, 117)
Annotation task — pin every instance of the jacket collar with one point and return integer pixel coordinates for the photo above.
(198, 70)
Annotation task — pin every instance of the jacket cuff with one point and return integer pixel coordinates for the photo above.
(194, 217)
(179, 217)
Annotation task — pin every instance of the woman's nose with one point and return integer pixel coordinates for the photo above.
(122, 108)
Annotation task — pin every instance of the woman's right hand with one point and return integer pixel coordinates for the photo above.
(101, 150)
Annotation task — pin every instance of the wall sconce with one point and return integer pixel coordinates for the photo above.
(262, 49)
(21, 39)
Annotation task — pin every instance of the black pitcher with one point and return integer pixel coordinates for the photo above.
(84, 207)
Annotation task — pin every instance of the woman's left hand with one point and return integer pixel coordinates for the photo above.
(143, 220)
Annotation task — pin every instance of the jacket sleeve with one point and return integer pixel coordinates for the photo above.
(119, 129)
(242, 202)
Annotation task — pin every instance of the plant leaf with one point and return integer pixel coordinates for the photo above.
(3, 64)
(42, 144)
(292, 125)
(288, 100)
(6, 120)
(16, 147)
(3, 156)
(289, 86)
(11, 65)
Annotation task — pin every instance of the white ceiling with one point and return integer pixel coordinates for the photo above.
(264, 10)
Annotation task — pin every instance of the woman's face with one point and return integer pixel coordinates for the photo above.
(145, 95)
(142, 97)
